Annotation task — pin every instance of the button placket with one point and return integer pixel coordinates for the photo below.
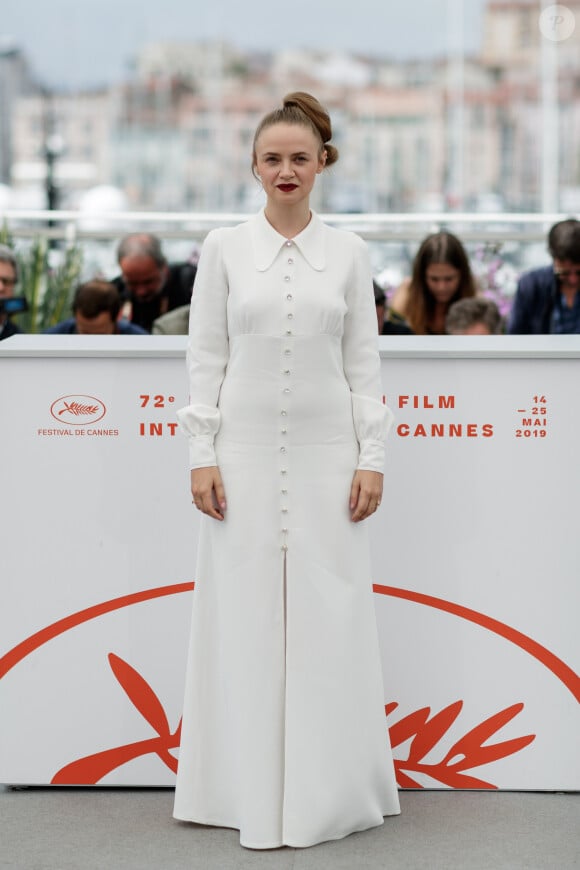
(286, 372)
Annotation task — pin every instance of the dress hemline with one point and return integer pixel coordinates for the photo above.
(280, 844)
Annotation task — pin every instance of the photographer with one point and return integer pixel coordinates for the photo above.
(149, 286)
(96, 307)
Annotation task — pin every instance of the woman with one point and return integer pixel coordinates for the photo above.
(441, 275)
(284, 733)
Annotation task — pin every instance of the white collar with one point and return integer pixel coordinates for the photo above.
(267, 242)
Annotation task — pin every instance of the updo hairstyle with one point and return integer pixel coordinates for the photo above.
(304, 109)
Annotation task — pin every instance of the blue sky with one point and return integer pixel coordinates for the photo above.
(83, 42)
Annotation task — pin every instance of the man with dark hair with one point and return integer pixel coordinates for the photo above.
(8, 281)
(547, 299)
(475, 315)
(148, 285)
(96, 306)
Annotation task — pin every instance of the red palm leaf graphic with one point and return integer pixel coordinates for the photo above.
(140, 694)
(408, 726)
(469, 751)
(77, 409)
(433, 730)
(466, 753)
(92, 768)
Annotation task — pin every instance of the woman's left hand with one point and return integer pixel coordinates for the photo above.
(365, 494)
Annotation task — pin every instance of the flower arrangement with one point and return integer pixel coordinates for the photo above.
(496, 277)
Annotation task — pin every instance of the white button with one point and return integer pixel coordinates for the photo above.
(289, 297)
(284, 531)
(284, 510)
(286, 371)
(284, 548)
(290, 261)
(287, 352)
(287, 390)
(290, 316)
(284, 492)
(283, 412)
(282, 450)
(284, 431)
(288, 332)
(288, 244)
(286, 277)
(283, 471)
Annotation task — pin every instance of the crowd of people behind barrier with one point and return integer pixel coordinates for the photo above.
(441, 296)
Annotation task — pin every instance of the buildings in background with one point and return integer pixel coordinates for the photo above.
(458, 133)
(16, 81)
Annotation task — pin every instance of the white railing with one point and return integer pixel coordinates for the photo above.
(73, 225)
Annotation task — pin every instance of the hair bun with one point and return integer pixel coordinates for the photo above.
(299, 107)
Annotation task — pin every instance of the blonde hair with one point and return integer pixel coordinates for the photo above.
(304, 109)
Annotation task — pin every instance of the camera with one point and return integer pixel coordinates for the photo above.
(13, 305)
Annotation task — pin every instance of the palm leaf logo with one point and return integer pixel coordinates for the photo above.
(77, 409)
(472, 750)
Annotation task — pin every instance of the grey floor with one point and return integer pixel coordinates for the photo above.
(122, 829)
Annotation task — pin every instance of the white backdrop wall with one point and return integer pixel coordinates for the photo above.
(475, 555)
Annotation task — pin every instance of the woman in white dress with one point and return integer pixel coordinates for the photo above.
(284, 734)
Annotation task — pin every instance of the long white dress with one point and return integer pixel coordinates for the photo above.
(284, 734)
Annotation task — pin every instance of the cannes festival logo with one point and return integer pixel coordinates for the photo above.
(78, 410)
(414, 737)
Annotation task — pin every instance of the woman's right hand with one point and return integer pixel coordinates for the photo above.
(208, 492)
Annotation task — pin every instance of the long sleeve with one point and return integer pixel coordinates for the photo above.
(207, 353)
(372, 418)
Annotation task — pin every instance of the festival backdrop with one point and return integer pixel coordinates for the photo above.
(475, 557)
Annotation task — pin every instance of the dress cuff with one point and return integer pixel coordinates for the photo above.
(200, 423)
(201, 451)
(372, 421)
(371, 456)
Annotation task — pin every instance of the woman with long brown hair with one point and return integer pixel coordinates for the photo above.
(441, 275)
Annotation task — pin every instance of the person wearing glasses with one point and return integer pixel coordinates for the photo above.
(148, 284)
(547, 300)
(8, 281)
